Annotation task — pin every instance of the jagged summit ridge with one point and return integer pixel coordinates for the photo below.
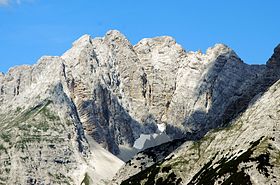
(154, 61)
(114, 34)
(275, 58)
(108, 91)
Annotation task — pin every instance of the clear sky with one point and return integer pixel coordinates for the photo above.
(30, 29)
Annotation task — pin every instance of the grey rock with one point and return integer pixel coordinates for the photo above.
(112, 92)
(275, 58)
(247, 152)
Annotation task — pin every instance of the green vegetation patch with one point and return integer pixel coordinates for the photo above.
(5, 136)
(148, 176)
(44, 126)
(59, 178)
(87, 180)
(229, 166)
(18, 109)
(278, 158)
(27, 114)
(179, 163)
(2, 147)
(47, 113)
(38, 117)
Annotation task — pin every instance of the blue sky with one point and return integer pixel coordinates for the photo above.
(30, 29)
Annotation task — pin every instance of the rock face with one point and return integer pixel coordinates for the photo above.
(105, 92)
(274, 60)
(247, 152)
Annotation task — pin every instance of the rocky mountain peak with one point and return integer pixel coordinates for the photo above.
(18, 69)
(105, 98)
(114, 34)
(221, 50)
(163, 40)
(83, 40)
(77, 49)
(115, 37)
(157, 42)
(275, 58)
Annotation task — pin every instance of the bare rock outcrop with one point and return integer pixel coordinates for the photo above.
(247, 152)
(106, 90)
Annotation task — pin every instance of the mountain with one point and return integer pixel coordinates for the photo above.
(246, 152)
(107, 108)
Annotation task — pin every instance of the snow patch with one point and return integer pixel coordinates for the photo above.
(161, 127)
(150, 140)
(140, 142)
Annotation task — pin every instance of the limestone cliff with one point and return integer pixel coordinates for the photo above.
(106, 92)
(244, 151)
(247, 152)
